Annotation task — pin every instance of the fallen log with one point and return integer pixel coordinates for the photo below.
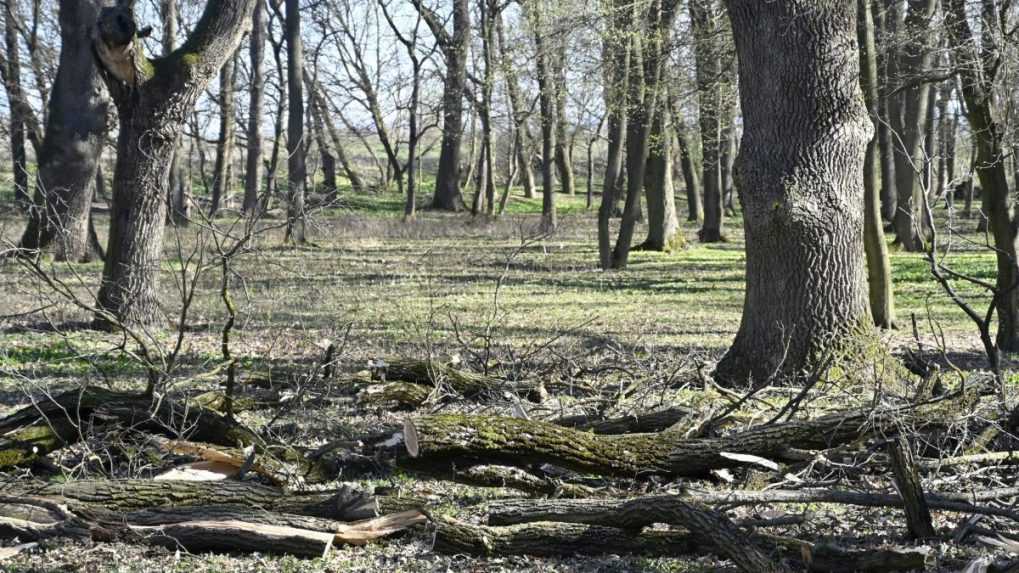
(400, 395)
(645, 510)
(51, 423)
(519, 479)
(344, 504)
(212, 528)
(655, 421)
(829, 558)
(491, 439)
(551, 539)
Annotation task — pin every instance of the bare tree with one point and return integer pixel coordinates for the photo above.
(296, 150)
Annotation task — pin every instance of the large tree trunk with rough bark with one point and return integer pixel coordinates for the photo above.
(879, 268)
(12, 83)
(801, 185)
(153, 98)
(72, 145)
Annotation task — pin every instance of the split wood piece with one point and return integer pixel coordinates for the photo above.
(655, 421)
(607, 511)
(552, 539)
(907, 481)
(828, 558)
(401, 395)
(344, 504)
(270, 468)
(490, 439)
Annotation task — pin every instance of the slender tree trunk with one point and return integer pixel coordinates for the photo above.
(691, 175)
(224, 147)
(153, 103)
(915, 59)
(616, 54)
(727, 154)
(72, 145)
(546, 99)
(16, 125)
(886, 142)
(256, 103)
(562, 153)
(354, 176)
(663, 225)
(296, 165)
(326, 157)
(179, 197)
(801, 175)
(521, 132)
(988, 136)
(879, 268)
(709, 70)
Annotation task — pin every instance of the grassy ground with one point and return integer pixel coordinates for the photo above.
(445, 284)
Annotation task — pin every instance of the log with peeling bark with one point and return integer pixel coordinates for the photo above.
(551, 539)
(199, 528)
(490, 439)
(645, 510)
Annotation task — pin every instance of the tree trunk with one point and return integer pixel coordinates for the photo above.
(915, 59)
(256, 101)
(886, 143)
(547, 106)
(616, 54)
(663, 226)
(296, 149)
(879, 268)
(354, 176)
(564, 164)
(709, 70)
(70, 151)
(801, 186)
(454, 48)
(153, 100)
(990, 169)
(521, 132)
(224, 147)
(691, 176)
(12, 82)
(179, 197)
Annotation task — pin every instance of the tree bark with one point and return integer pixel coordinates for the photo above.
(886, 22)
(691, 175)
(879, 268)
(547, 106)
(563, 152)
(801, 184)
(256, 102)
(68, 159)
(153, 99)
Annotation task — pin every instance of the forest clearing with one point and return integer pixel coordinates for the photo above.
(535, 285)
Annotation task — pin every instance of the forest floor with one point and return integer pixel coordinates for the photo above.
(492, 294)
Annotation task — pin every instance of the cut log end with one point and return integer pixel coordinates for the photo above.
(410, 438)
